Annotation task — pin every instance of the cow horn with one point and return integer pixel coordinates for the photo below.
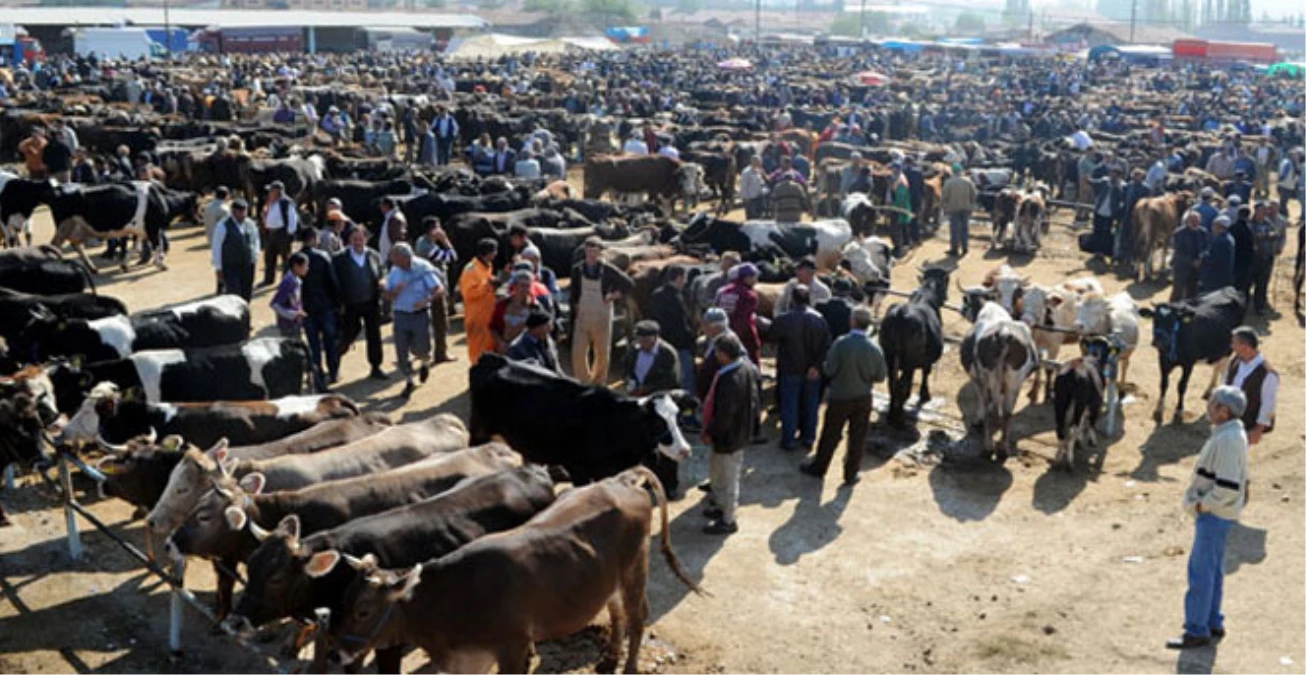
(258, 532)
(110, 446)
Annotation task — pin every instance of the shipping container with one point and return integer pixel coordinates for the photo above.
(252, 40)
(115, 43)
(1225, 52)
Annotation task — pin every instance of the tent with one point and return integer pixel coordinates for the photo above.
(638, 34)
(494, 45)
(1286, 69)
(869, 78)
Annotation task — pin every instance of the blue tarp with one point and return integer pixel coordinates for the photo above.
(628, 33)
(178, 43)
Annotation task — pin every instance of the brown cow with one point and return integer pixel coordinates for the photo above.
(659, 177)
(1031, 219)
(1005, 206)
(1155, 220)
(545, 580)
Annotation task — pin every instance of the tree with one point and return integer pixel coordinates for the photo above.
(609, 12)
(970, 22)
(690, 6)
(547, 6)
(848, 24)
(1014, 12)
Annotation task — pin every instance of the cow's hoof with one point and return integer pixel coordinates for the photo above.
(123, 267)
(1157, 415)
(606, 665)
(1206, 395)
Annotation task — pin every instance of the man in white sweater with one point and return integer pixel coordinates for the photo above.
(1215, 496)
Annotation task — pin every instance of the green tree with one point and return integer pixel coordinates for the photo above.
(609, 12)
(970, 22)
(848, 24)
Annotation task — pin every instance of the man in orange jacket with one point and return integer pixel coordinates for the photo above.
(477, 286)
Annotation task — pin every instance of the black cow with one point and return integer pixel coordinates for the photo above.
(445, 207)
(718, 175)
(19, 197)
(259, 369)
(361, 199)
(911, 335)
(466, 229)
(107, 211)
(1198, 329)
(1078, 393)
(210, 322)
(591, 431)
(21, 309)
(558, 247)
(298, 174)
(42, 270)
(291, 577)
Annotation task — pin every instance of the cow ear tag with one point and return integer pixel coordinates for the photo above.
(172, 443)
(1188, 319)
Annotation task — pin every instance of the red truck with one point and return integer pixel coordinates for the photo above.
(252, 40)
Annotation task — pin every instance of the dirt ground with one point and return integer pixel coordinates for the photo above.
(950, 566)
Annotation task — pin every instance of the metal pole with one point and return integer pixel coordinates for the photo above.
(1133, 19)
(70, 515)
(861, 23)
(167, 27)
(321, 639)
(757, 24)
(177, 613)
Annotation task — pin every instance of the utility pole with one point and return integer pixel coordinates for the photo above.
(1133, 19)
(1029, 34)
(757, 25)
(167, 28)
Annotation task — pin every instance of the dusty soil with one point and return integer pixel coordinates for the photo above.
(951, 566)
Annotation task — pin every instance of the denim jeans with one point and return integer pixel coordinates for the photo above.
(959, 231)
(322, 328)
(800, 399)
(687, 376)
(1206, 576)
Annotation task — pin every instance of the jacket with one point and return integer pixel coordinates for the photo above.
(1219, 481)
(789, 201)
(321, 290)
(1217, 264)
(959, 194)
(667, 307)
(1190, 243)
(740, 304)
(352, 289)
(802, 339)
(837, 313)
(854, 364)
(735, 405)
(663, 375)
(526, 347)
(818, 292)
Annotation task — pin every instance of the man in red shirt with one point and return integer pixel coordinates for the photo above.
(739, 301)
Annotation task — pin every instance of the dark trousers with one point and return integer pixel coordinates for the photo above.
(755, 208)
(239, 281)
(363, 318)
(443, 150)
(1103, 242)
(856, 413)
(1185, 280)
(1262, 270)
(322, 328)
(276, 252)
(440, 326)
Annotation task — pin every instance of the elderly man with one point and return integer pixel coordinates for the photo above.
(1190, 243)
(216, 211)
(410, 287)
(740, 302)
(595, 285)
(536, 342)
(394, 226)
(1258, 381)
(511, 311)
(1215, 496)
(235, 249)
(360, 279)
(280, 222)
(804, 277)
(1217, 262)
(854, 364)
(730, 409)
(958, 201)
(752, 189)
(653, 365)
(667, 307)
(856, 177)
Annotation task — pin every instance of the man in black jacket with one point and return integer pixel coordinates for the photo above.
(802, 338)
(321, 297)
(1244, 250)
(729, 410)
(359, 274)
(650, 363)
(667, 307)
(838, 310)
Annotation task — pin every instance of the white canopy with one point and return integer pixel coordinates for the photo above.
(494, 45)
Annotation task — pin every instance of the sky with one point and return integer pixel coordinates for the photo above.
(1276, 8)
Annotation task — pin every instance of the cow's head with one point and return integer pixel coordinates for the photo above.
(1006, 288)
(100, 404)
(1093, 315)
(67, 384)
(868, 259)
(25, 407)
(689, 177)
(195, 470)
(1167, 320)
(661, 419)
(370, 603)
(220, 524)
(279, 570)
(137, 471)
(1097, 348)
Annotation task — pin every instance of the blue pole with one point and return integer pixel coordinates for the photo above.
(312, 39)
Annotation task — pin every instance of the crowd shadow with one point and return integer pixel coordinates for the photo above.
(813, 525)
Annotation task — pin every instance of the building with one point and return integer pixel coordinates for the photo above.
(1089, 34)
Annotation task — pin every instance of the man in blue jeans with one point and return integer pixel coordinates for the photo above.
(321, 297)
(802, 339)
(1216, 496)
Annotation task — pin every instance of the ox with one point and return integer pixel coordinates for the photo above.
(1155, 221)
(1050, 312)
(41, 270)
(998, 354)
(911, 334)
(211, 322)
(1197, 329)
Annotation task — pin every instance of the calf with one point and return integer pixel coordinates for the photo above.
(19, 197)
(591, 431)
(500, 594)
(26, 412)
(211, 322)
(290, 576)
(1117, 315)
(1031, 220)
(1078, 395)
(911, 335)
(998, 354)
(1197, 329)
(1005, 206)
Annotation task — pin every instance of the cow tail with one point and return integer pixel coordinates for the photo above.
(673, 561)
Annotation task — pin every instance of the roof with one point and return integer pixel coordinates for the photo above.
(242, 18)
(1119, 32)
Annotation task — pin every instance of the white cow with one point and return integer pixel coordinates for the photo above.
(1053, 307)
(1117, 315)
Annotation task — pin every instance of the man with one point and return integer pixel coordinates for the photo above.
(667, 308)
(426, 145)
(1155, 178)
(1221, 164)
(898, 195)
(1190, 242)
(958, 201)
(536, 342)
(1207, 208)
(360, 278)
(235, 248)
(394, 226)
(1244, 251)
(1215, 496)
(477, 286)
(916, 193)
(804, 277)
(788, 200)
(321, 295)
(1239, 186)
(652, 366)
(595, 286)
(1259, 383)
(1232, 206)
(730, 409)
(216, 211)
(1269, 240)
(410, 287)
(446, 132)
(739, 300)
(57, 156)
(802, 339)
(752, 189)
(554, 165)
(32, 150)
(288, 301)
(280, 222)
(435, 247)
(504, 157)
(1289, 180)
(1265, 157)
(519, 238)
(854, 364)
(527, 166)
(1108, 208)
(1217, 262)
(856, 177)
(787, 172)
(635, 145)
(511, 311)
(62, 132)
(837, 311)
(715, 323)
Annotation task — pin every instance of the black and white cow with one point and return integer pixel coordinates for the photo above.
(822, 239)
(1197, 329)
(1078, 392)
(141, 209)
(259, 369)
(591, 431)
(998, 354)
(19, 197)
(870, 259)
(210, 322)
(21, 310)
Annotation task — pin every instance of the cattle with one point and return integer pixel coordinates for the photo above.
(19, 197)
(358, 198)
(998, 354)
(1078, 395)
(1116, 316)
(22, 310)
(1050, 312)
(661, 178)
(26, 412)
(376, 450)
(870, 260)
(221, 320)
(42, 271)
(291, 576)
(718, 175)
(590, 431)
(259, 369)
(1155, 222)
(858, 209)
(1031, 220)
(446, 206)
(140, 473)
(1005, 206)
(467, 229)
(824, 240)
(111, 417)
(558, 247)
(299, 175)
(1197, 329)
(1001, 285)
(911, 335)
(141, 209)
(546, 579)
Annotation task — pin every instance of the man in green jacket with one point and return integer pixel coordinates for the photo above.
(853, 364)
(899, 197)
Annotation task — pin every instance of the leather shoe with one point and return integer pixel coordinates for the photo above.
(713, 513)
(423, 373)
(1187, 641)
(409, 388)
(852, 480)
(720, 527)
(811, 470)
(1217, 634)
(378, 374)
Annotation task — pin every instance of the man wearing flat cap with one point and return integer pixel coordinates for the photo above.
(536, 342)
(280, 222)
(652, 365)
(235, 250)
